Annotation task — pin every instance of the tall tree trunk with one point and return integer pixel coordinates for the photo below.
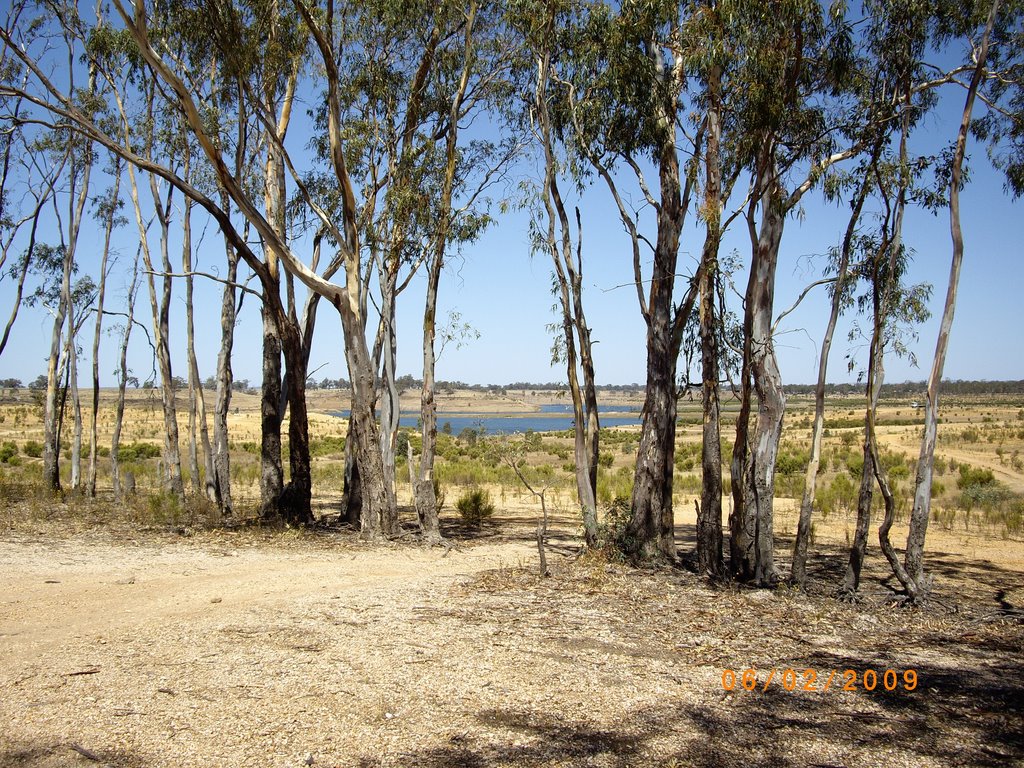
(914, 579)
(709, 513)
(122, 382)
(271, 409)
(222, 405)
(390, 405)
(377, 508)
(754, 505)
(798, 571)
(160, 311)
(65, 311)
(76, 404)
(295, 502)
(352, 497)
(51, 438)
(108, 228)
(423, 490)
(196, 398)
(650, 532)
(271, 471)
(865, 496)
(753, 509)
(568, 274)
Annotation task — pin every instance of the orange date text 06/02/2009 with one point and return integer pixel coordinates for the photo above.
(819, 681)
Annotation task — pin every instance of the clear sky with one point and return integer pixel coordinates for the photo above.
(503, 292)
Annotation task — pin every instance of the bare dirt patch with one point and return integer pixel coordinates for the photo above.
(281, 649)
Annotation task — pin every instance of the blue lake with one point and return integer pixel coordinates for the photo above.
(551, 418)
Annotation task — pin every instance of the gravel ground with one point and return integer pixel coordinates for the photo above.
(241, 649)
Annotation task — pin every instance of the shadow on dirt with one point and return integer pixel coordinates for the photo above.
(39, 754)
(770, 728)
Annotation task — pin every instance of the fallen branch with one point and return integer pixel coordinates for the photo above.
(87, 754)
(76, 673)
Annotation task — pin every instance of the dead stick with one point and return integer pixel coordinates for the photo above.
(87, 754)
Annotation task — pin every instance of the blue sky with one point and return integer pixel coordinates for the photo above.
(503, 292)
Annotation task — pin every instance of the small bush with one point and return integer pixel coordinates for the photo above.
(33, 448)
(969, 476)
(611, 532)
(8, 451)
(791, 463)
(137, 451)
(475, 506)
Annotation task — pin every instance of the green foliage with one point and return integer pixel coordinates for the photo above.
(327, 446)
(838, 496)
(475, 506)
(402, 442)
(33, 448)
(612, 485)
(8, 451)
(970, 435)
(971, 477)
(137, 451)
(792, 462)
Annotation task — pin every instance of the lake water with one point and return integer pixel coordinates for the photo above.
(555, 417)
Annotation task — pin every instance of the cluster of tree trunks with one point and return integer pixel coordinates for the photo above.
(771, 98)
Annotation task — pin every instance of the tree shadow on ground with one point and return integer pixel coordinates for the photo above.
(768, 728)
(40, 754)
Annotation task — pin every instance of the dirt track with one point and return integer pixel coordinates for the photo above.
(158, 654)
(290, 650)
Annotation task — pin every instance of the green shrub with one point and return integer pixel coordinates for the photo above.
(475, 506)
(969, 476)
(840, 495)
(402, 443)
(970, 435)
(324, 446)
(33, 448)
(137, 451)
(855, 466)
(791, 462)
(8, 451)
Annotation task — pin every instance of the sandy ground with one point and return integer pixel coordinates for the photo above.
(128, 648)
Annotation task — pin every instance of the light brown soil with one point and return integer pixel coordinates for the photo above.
(128, 648)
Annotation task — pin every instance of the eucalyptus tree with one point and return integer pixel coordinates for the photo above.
(471, 79)
(243, 64)
(841, 255)
(911, 572)
(545, 30)
(122, 379)
(106, 211)
(629, 107)
(789, 112)
(347, 298)
(37, 175)
(893, 310)
(156, 145)
(77, 190)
